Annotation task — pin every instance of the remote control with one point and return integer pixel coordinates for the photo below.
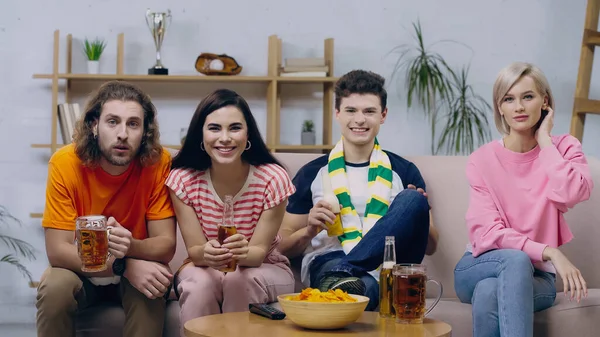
(266, 311)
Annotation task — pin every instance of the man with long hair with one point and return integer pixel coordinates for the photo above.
(378, 192)
(115, 167)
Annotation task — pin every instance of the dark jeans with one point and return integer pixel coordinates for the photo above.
(407, 220)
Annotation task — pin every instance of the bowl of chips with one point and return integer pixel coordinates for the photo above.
(313, 309)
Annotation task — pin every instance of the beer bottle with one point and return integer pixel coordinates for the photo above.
(227, 228)
(386, 293)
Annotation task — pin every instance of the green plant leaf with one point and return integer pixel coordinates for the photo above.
(308, 126)
(12, 260)
(425, 77)
(93, 49)
(429, 82)
(466, 125)
(20, 247)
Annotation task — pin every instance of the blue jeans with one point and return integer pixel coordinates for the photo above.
(407, 219)
(505, 290)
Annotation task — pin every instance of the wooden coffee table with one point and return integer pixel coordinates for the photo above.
(248, 324)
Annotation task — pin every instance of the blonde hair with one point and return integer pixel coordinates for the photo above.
(86, 145)
(507, 78)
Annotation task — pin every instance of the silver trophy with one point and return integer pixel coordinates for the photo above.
(158, 23)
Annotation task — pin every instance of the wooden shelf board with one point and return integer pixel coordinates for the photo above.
(587, 106)
(166, 78)
(188, 78)
(36, 215)
(177, 147)
(44, 146)
(283, 79)
(301, 147)
(47, 146)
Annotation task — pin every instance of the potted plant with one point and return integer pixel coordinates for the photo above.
(431, 82)
(466, 117)
(17, 247)
(93, 50)
(308, 133)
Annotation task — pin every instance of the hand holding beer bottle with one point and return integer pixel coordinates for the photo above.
(119, 238)
(237, 245)
(216, 256)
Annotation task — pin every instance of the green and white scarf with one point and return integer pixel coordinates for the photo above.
(380, 189)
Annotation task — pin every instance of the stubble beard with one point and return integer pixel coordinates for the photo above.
(114, 159)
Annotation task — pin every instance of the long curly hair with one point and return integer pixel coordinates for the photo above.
(87, 147)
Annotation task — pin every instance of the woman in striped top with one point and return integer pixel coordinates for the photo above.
(224, 154)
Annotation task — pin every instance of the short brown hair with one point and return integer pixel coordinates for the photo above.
(86, 145)
(360, 82)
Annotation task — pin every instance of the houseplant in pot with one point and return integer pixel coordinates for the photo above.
(466, 123)
(308, 133)
(93, 50)
(17, 248)
(444, 95)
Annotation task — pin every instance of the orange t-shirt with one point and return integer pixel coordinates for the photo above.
(132, 198)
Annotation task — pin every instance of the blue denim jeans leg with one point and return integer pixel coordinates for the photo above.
(407, 220)
(505, 290)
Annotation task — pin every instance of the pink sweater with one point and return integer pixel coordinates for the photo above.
(517, 200)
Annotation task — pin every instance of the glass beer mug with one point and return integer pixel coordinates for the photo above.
(409, 284)
(91, 237)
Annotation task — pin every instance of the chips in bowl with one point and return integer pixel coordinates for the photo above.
(314, 309)
(315, 295)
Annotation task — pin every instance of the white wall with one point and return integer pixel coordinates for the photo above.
(547, 33)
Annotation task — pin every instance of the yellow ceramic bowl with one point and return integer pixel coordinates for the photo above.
(322, 315)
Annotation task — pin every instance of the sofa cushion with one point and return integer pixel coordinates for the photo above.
(448, 193)
(455, 313)
(569, 318)
(564, 318)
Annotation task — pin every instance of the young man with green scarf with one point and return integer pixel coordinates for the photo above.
(379, 194)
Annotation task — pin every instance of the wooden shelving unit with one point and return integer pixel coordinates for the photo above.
(272, 82)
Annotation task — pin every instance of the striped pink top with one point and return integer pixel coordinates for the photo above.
(266, 187)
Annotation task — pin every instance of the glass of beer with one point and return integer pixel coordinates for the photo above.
(91, 236)
(409, 293)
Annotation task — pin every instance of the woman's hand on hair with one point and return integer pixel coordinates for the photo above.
(237, 245)
(542, 135)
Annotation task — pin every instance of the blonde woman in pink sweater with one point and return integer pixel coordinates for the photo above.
(520, 187)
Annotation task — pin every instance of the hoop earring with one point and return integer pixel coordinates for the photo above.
(249, 146)
(95, 136)
(202, 146)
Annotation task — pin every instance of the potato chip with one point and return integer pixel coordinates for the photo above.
(315, 295)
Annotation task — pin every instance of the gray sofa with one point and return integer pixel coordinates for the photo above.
(448, 194)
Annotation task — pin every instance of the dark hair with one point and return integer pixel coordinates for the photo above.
(191, 154)
(360, 82)
(87, 147)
